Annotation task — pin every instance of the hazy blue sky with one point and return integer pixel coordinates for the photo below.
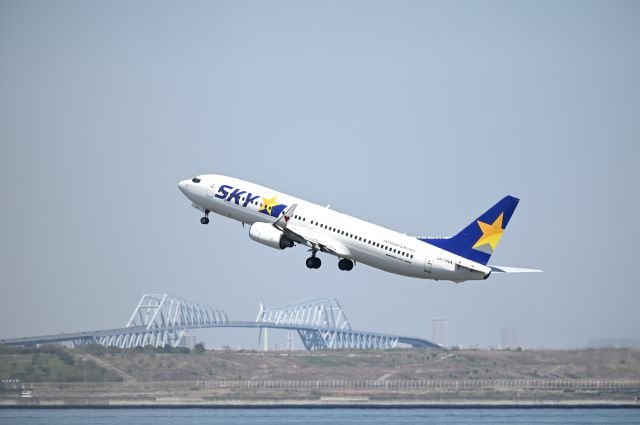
(105, 106)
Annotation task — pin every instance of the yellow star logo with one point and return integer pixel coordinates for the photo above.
(491, 233)
(269, 203)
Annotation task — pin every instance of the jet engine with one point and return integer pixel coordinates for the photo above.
(268, 235)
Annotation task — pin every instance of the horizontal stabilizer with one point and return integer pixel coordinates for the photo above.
(504, 269)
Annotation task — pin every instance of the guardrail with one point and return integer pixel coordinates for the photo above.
(386, 385)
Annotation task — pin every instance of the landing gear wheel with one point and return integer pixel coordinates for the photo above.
(345, 264)
(205, 219)
(313, 263)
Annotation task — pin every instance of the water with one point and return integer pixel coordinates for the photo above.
(337, 416)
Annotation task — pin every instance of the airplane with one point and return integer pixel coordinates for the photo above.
(281, 221)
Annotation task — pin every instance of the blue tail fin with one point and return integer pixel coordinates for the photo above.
(478, 240)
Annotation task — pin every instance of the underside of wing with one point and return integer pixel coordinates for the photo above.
(312, 239)
(318, 242)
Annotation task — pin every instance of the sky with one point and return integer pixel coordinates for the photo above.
(414, 115)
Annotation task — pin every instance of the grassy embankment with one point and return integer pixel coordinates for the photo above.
(97, 364)
(49, 364)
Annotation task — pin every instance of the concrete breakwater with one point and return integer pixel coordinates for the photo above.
(331, 393)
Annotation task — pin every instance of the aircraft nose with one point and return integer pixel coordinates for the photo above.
(184, 185)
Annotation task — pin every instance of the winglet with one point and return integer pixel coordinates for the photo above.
(283, 220)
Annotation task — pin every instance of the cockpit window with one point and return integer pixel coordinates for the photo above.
(195, 180)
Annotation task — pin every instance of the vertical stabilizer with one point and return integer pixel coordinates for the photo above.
(478, 240)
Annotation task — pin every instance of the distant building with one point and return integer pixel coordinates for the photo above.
(614, 343)
(187, 340)
(509, 338)
(439, 331)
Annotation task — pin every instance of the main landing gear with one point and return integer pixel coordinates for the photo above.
(345, 264)
(313, 262)
(205, 219)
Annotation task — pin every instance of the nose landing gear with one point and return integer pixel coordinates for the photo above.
(205, 219)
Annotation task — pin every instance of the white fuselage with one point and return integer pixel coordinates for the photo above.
(363, 242)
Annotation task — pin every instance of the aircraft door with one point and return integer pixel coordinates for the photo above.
(427, 265)
(210, 192)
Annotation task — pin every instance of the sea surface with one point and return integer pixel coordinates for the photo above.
(306, 416)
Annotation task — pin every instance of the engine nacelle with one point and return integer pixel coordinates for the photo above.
(268, 235)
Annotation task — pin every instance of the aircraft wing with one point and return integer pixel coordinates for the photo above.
(505, 269)
(312, 239)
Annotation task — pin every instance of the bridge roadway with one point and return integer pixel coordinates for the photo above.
(76, 336)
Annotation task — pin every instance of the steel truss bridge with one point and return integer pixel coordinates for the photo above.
(160, 320)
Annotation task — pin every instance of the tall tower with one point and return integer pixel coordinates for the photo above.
(290, 340)
(263, 332)
(266, 339)
(439, 331)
